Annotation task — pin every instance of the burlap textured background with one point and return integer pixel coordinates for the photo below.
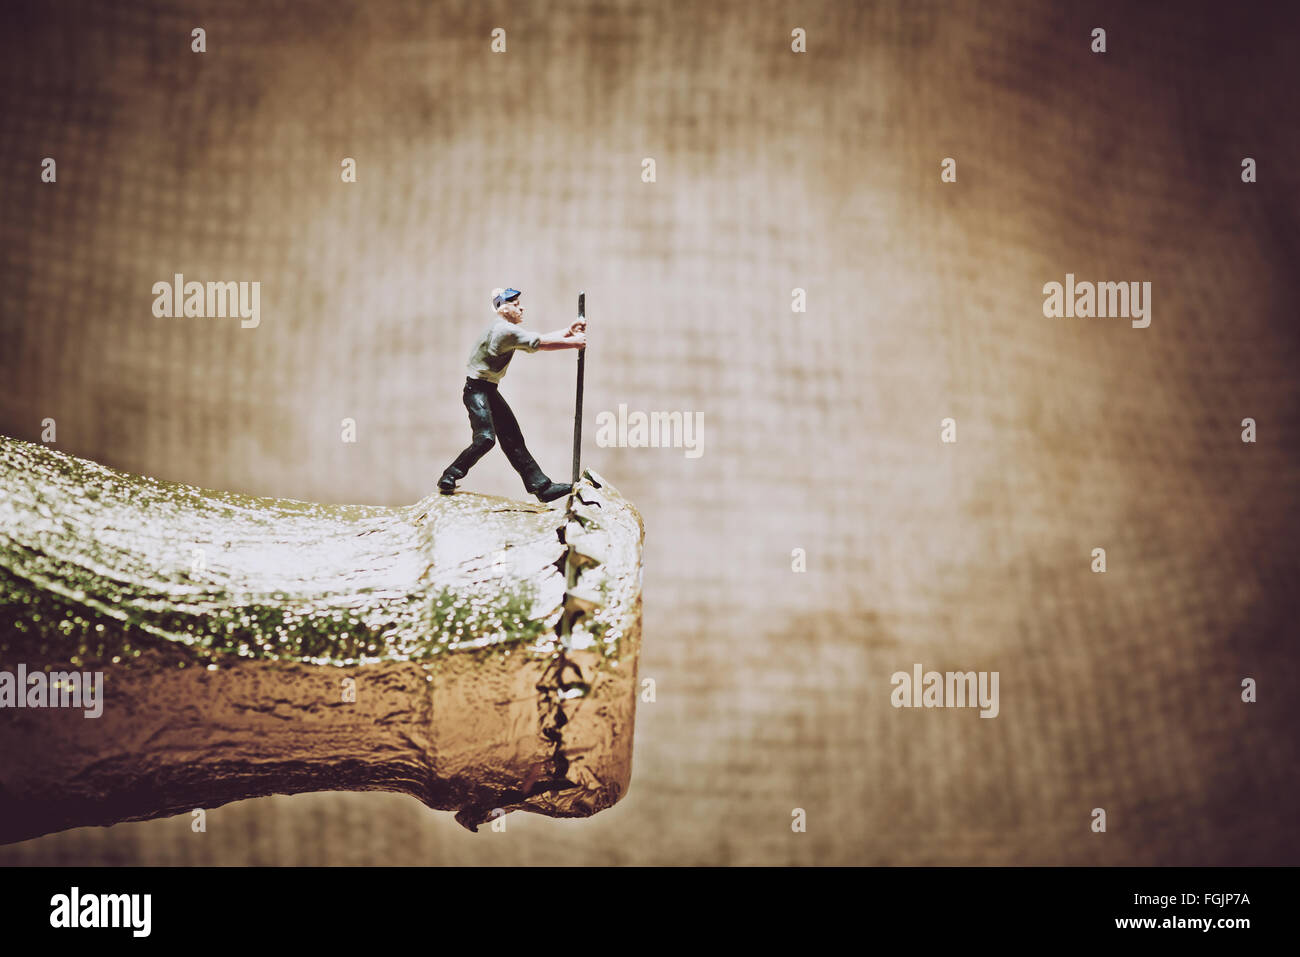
(821, 430)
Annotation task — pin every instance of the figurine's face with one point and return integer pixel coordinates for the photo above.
(511, 311)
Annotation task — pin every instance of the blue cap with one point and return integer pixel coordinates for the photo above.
(505, 295)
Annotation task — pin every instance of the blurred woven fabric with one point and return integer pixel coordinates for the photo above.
(775, 171)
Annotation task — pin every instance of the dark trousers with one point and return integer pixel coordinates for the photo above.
(490, 419)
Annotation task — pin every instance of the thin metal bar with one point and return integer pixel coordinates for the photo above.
(577, 412)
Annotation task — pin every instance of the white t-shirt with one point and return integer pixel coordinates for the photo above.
(495, 348)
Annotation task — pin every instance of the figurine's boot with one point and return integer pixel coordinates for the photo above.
(552, 490)
(447, 484)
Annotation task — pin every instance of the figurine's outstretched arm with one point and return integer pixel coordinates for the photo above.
(574, 337)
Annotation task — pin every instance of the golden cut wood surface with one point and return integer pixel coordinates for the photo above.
(258, 646)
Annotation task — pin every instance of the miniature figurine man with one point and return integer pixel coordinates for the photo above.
(489, 415)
